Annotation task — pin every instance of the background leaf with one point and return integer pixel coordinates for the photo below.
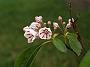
(27, 56)
(74, 43)
(86, 60)
(59, 44)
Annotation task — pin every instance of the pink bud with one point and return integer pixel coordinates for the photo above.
(60, 18)
(38, 19)
(55, 25)
(49, 22)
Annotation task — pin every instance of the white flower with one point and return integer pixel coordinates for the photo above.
(35, 26)
(38, 19)
(55, 25)
(30, 35)
(45, 33)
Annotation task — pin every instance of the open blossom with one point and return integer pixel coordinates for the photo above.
(35, 26)
(30, 35)
(55, 25)
(38, 19)
(45, 33)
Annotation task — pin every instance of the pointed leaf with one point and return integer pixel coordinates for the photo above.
(74, 43)
(59, 44)
(27, 56)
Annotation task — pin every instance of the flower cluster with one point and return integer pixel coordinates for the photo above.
(39, 29)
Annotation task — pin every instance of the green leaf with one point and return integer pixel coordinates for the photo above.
(74, 43)
(59, 44)
(26, 58)
(86, 60)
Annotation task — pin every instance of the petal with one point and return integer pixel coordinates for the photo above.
(48, 36)
(42, 36)
(33, 32)
(27, 34)
(26, 28)
(30, 40)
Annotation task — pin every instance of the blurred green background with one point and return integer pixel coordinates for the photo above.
(15, 14)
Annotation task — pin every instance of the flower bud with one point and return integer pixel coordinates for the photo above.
(38, 19)
(64, 23)
(49, 22)
(55, 25)
(60, 18)
(44, 24)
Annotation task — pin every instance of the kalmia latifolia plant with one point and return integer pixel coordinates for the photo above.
(63, 35)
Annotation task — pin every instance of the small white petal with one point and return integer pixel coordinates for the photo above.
(26, 28)
(27, 34)
(30, 40)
